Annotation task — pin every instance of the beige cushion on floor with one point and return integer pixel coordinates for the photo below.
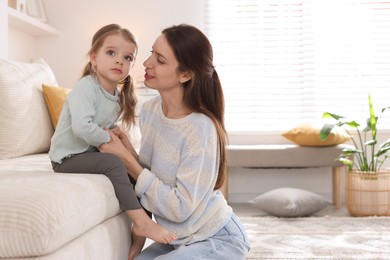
(23, 111)
(289, 202)
(41, 211)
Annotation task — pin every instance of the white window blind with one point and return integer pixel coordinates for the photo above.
(285, 62)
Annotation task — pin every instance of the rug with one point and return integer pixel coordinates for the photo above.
(318, 237)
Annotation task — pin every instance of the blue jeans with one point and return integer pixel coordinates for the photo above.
(231, 242)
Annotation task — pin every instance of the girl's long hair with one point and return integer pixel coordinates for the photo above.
(203, 93)
(127, 97)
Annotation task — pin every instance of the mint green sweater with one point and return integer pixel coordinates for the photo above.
(180, 157)
(87, 110)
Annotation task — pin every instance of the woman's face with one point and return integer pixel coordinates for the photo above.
(161, 67)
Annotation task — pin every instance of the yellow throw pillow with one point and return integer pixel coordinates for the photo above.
(307, 135)
(55, 98)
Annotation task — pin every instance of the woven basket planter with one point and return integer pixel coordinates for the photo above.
(368, 194)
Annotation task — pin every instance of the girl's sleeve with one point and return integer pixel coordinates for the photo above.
(82, 110)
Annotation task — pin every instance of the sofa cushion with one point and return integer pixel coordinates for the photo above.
(41, 211)
(23, 111)
(55, 98)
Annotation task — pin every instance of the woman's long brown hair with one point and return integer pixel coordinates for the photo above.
(203, 93)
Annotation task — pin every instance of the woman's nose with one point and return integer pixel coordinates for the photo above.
(118, 62)
(146, 62)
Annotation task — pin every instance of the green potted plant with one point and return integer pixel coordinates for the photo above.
(367, 184)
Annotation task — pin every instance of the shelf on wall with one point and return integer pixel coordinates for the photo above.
(29, 24)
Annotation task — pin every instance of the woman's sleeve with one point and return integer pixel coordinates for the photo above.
(195, 179)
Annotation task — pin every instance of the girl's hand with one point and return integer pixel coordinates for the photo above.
(115, 146)
(118, 132)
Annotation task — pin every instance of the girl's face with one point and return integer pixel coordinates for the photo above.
(162, 67)
(113, 60)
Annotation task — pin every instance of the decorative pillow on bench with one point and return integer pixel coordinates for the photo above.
(307, 135)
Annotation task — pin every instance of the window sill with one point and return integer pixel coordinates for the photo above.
(275, 137)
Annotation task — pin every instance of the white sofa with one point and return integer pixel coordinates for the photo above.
(47, 215)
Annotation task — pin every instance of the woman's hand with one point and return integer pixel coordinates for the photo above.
(115, 146)
(125, 141)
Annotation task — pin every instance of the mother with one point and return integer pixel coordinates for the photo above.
(182, 160)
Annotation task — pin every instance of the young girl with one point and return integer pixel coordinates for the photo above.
(93, 107)
(182, 156)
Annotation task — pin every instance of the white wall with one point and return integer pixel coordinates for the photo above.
(77, 21)
(22, 46)
(3, 29)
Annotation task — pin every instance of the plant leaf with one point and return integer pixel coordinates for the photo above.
(352, 123)
(371, 142)
(331, 115)
(383, 148)
(350, 151)
(368, 125)
(382, 151)
(325, 131)
(383, 109)
(346, 161)
(385, 144)
(373, 120)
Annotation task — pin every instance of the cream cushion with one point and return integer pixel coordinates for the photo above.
(25, 122)
(42, 211)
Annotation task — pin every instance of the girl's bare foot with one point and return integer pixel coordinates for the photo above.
(137, 243)
(154, 231)
(144, 226)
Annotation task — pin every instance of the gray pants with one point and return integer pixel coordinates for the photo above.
(107, 164)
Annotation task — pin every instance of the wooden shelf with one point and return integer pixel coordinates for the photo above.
(30, 25)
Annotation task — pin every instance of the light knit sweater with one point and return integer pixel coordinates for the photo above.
(88, 109)
(180, 157)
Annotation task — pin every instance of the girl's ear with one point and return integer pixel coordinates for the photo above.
(92, 58)
(186, 76)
